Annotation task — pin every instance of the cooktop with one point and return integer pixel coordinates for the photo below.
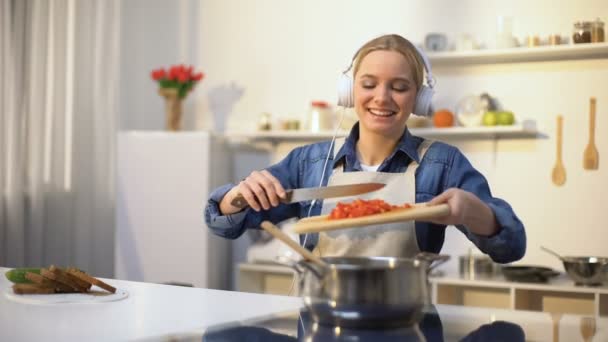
(438, 323)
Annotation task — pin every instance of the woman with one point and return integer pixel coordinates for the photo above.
(388, 75)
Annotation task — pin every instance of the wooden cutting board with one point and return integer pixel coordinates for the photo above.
(322, 223)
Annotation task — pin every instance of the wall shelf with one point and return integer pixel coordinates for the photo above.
(520, 54)
(559, 295)
(525, 130)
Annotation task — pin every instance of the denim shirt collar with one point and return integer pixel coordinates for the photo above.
(348, 153)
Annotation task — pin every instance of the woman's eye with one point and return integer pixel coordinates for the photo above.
(400, 88)
(368, 85)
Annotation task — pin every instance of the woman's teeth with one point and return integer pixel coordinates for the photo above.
(381, 112)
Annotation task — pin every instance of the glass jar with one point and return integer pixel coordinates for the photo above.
(597, 31)
(581, 32)
(320, 117)
(264, 122)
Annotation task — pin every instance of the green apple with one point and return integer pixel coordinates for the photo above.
(505, 118)
(490, 119)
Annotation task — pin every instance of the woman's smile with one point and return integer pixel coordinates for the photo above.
(381, 112)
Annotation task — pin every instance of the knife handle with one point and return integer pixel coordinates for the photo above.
(240, 202)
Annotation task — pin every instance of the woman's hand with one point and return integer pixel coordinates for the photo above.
(468, 210)
(260, 189)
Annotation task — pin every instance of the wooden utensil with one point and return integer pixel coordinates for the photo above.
(591, 158)
(559, 171)
(588, 328)
(323, 223)
(278, 233)
(556, 317)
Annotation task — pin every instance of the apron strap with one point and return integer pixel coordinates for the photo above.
(338, 143)
(423, 148)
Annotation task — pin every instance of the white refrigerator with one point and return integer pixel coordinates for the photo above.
(163, 182)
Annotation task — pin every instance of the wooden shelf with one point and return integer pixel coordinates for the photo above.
(560, 295)
(521, 54)
(525, 130)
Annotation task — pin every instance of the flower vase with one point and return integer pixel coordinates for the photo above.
(173, 108)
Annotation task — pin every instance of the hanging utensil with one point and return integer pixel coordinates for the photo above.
(588, 328)
(556, 317)
(559, 171)
(591, 156)
(277, 233)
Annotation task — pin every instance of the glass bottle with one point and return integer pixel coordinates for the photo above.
(320, 117)
(597, 31)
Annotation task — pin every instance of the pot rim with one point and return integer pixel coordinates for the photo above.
(585, 260)
(371, 263)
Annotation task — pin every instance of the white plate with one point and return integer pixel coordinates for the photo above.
(93, 296)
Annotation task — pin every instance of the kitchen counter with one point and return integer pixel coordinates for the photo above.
(149, 311)
(438, 323)
(154, 312)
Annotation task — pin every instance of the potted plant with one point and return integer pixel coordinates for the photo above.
(174, 84)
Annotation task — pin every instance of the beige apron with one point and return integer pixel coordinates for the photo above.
(390, 240)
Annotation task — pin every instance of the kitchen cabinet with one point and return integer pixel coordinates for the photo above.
(558, 296)
(266, 278)
(162, 181)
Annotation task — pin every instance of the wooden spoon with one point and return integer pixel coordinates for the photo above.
(588, 328)
(559, 171)
(591, 157)
(556, 317)
(278, 233)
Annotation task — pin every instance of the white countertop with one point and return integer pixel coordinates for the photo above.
(150, 310)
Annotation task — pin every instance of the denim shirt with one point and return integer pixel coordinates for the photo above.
(442, 167)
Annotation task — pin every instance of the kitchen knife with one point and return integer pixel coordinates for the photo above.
(305, 194)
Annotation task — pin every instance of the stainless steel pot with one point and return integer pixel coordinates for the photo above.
(588, 271)
(367, 292)
(584, 270)
(477, 266)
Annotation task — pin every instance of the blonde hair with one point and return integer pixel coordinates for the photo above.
(393, 42)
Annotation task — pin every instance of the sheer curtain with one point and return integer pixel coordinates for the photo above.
(59, 62)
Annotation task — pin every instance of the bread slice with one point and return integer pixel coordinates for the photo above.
(83, 285)
(32, 289)
(57, 277)
(92, 280)
(46, 282)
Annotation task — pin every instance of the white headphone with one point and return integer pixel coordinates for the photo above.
(423, 98)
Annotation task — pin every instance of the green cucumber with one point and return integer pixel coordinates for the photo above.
(17, 275)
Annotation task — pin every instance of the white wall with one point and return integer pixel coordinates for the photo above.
(287, 53)
(155, 33)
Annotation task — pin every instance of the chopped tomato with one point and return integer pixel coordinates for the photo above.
(360, 207)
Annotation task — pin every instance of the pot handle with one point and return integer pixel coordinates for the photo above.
(433, 259)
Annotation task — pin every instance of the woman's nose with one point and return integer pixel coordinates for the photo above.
(382, 95)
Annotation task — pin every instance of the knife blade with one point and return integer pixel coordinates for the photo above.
(305, 194)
